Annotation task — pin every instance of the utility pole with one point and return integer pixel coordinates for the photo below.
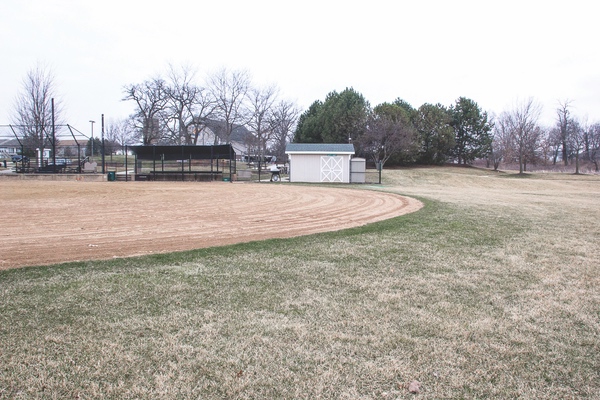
(103, 144)
(53, 140)
(92, 149)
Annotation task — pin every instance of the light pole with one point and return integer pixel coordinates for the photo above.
(92, 152)
(103, 169)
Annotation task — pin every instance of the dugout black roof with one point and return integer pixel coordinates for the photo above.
(222, 151)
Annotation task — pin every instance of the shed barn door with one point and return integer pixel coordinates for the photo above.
(332, 169)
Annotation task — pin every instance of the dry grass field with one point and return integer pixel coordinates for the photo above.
(491, 290)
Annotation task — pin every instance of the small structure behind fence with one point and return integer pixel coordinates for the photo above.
(363, 172)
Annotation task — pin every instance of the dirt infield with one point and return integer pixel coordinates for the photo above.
(50, 222)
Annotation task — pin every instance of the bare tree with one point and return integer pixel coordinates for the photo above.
(33, 110)
(110, 144)
(388, 134)
(261, 103)
(547, 150)
(229, 90)
(151, 100)
(283, 122)
(189, 106)
(501, 142)
(521, 123)
(576, 140)
(563, 124)
(181, 96)
(203, 110)
(594, 144)
(554, 143)
(118, 134)
(534, 147)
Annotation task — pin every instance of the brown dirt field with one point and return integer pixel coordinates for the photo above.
(47, 222)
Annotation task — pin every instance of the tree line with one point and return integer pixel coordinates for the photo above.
(518, 137)
(397, 132)
(431, 134)
(174, 108)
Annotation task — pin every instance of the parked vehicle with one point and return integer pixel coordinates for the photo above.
(19, 158)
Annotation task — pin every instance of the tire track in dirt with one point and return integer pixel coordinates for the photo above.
(52, 222)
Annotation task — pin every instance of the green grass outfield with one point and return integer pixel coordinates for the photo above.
(492, 290)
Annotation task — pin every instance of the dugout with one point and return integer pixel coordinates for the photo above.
(184, 163)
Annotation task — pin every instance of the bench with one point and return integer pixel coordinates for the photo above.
(51, 168)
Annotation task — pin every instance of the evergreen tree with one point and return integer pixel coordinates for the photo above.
(436, 136)
(344, 116)
(341, 118)
(96, 145)
(309, 128)
(471, 131)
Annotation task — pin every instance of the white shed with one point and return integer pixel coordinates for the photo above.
(319, 162)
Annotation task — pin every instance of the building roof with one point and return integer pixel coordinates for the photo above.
(239, 133)
(320, 148)
(223, 151)
(9, 143)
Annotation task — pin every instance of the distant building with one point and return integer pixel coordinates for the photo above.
(241, 139)
(9, 148)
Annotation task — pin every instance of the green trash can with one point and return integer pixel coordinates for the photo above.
(112, 176)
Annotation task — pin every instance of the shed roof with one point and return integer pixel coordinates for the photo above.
(319, 148)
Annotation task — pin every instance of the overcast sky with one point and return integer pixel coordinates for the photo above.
(494, 52)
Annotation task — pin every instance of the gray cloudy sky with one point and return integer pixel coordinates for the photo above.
(494, 52)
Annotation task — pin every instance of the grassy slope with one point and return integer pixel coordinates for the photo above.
(492, 290)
